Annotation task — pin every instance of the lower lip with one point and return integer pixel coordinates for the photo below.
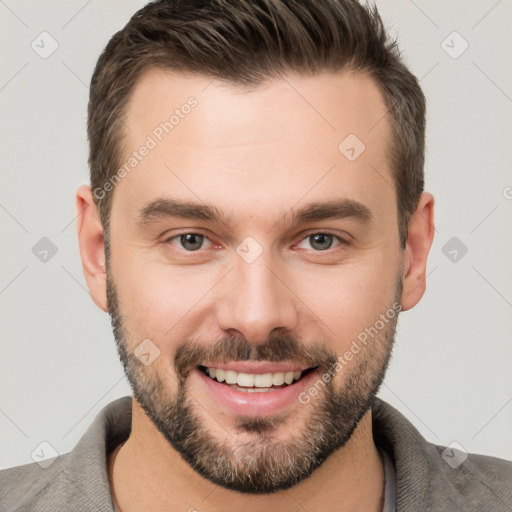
(262, 403)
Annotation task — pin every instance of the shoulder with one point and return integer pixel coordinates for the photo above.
(32, 487)
(440, 478)
(482, 477)
(77, 480)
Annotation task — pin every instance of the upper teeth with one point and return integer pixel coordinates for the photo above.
(264, 380)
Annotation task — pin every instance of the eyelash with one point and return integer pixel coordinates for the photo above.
(342, 241)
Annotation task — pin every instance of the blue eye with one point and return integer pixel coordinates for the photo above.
(321, 241)
(189, 241)
(192, 242)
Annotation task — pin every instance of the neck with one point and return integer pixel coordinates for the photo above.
(146, 473)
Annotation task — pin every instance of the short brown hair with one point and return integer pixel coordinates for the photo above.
(247, 42)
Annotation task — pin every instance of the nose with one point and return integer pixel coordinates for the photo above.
(256, 300)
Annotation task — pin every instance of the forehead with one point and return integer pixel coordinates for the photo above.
(288, 140)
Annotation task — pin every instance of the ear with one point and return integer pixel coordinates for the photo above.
(92, 247)
(419, 241)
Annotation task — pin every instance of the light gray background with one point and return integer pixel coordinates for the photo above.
(451, 371)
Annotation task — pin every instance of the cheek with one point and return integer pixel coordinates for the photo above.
(348, 299)
(161, 302)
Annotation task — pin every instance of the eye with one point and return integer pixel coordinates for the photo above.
(321, 241)
(189, 241)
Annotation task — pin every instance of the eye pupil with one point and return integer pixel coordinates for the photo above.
(321, 241)
(191, 241)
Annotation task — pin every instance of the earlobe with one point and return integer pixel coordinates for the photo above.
(415, 255)
(92, 246)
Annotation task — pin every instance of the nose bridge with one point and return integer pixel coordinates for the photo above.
(254, 300)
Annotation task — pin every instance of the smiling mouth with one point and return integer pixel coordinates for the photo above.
(253, 382)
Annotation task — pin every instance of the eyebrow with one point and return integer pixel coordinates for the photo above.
(166, 207)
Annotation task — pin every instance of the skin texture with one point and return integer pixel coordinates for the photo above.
(257, 155)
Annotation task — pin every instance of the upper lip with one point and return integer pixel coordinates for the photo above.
(257, 367)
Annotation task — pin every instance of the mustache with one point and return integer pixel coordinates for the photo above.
(277, 348)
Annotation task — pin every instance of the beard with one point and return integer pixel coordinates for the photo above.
(250, 458)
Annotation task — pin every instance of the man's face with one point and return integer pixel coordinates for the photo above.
(299, 262)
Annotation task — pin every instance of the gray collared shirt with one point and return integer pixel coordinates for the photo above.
(424, 481)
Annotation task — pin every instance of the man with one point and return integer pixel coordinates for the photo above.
(255, 223)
